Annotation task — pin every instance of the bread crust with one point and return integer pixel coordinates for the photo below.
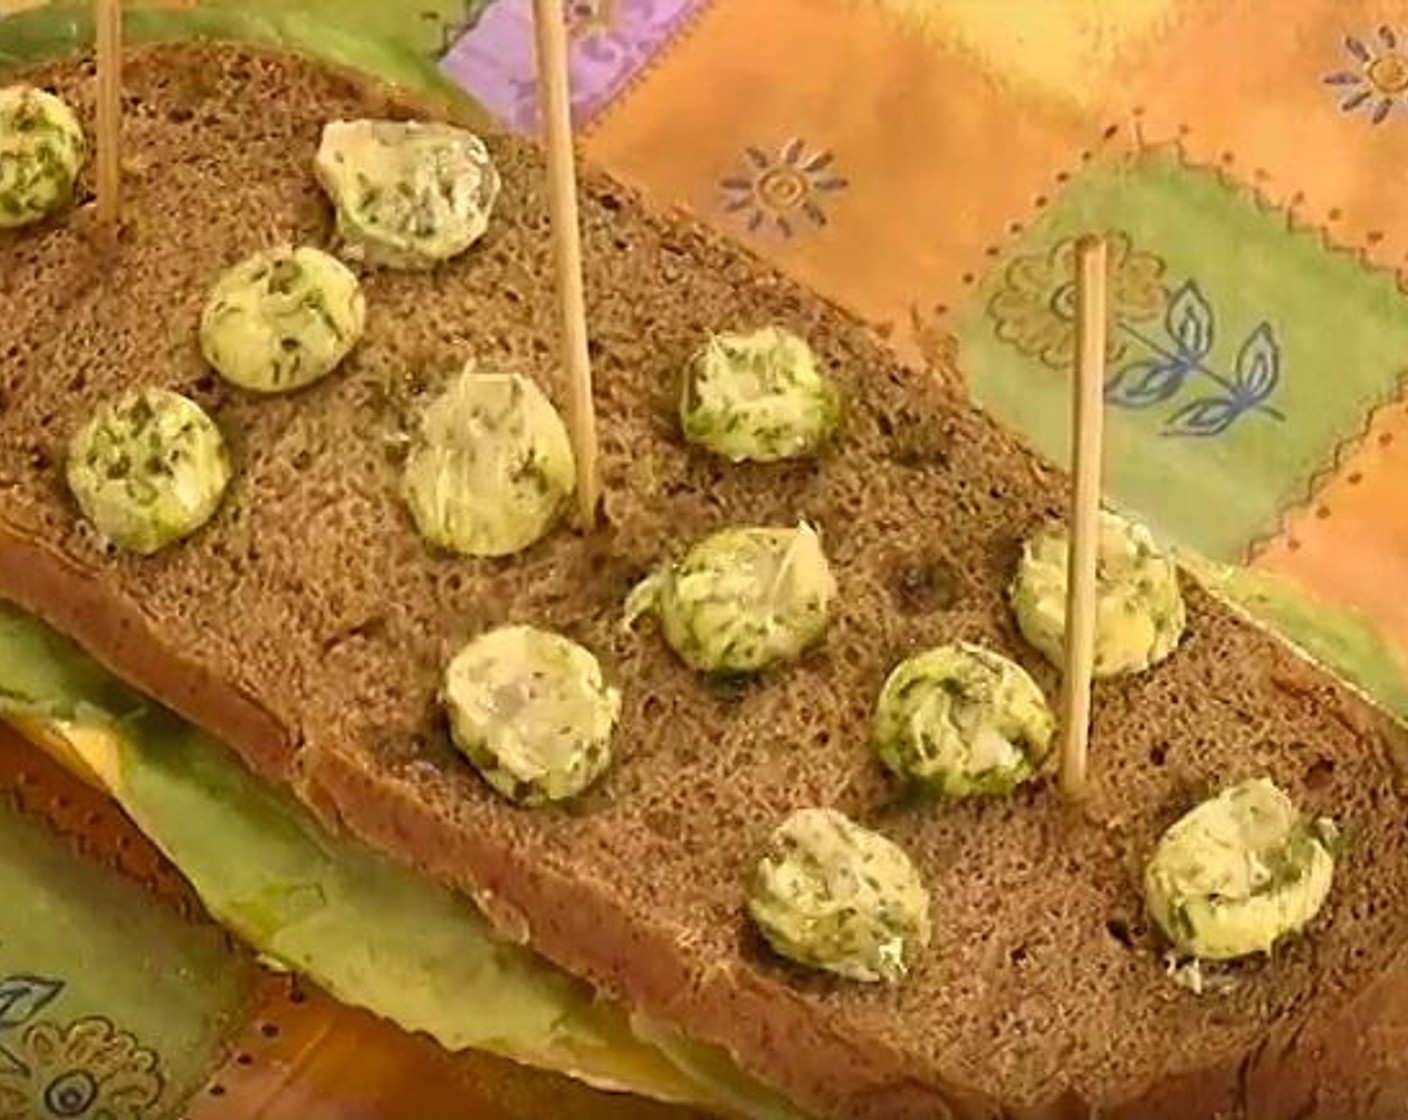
(116, 634)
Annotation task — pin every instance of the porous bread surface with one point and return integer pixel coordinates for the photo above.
(309, 626)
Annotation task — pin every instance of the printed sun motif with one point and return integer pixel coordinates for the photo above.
(88, 1070)
(1034, 309)
(781, 191)
(1381, 79)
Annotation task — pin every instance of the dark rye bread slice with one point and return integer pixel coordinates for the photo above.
(307, 626)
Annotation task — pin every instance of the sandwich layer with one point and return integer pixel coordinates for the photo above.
(307, 626)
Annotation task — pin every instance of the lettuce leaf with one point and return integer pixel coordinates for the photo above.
(367, 930)
(370, 932)
(712, 1067)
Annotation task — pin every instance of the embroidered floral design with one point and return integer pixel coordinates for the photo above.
(780, 191)
(88, 1069)
(23, 997)
(1184, 353)
(1034, 310)
(1379, 80)
(1159, 341)
(611, 41)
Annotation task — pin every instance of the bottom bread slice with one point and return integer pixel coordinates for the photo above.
(307, 626)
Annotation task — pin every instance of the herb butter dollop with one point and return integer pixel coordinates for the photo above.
(741, 600)
(961, 720)
(42, 150)
(148, 469)
(408, 194)
(490, 466)
(530, 710)
(1139, 613)
(1239, 872)
(832, 895)
(282, 319)
(759, 396)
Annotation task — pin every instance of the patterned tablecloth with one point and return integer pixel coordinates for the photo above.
(926, 164)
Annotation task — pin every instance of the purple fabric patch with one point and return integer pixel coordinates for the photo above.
(611, 40)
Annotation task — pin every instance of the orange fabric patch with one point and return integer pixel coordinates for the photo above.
(1350, 543)
(1305, 102)
(853, 152)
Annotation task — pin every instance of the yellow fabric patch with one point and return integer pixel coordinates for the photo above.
(1064, 48)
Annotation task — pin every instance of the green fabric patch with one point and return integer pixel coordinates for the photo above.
(110, 1005)
(1241, 353)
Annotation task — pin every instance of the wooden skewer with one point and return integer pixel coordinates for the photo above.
(108, 22)
(1087, 438)
(555, 99)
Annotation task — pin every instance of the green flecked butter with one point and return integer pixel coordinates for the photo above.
(1139, 615)
(759, 396)
(42, 150)
(490, 466)
(832, 895)
(282, 319)
(148, 469)
(741, 600)
(408, 194)
(530, 710)
(1239, 872)
(960, 720)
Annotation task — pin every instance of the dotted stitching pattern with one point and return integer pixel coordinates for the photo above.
(1346, 450)
(689, 24)
(278, 1007)
(1016, 228)
(1295, 223)
(940, 347)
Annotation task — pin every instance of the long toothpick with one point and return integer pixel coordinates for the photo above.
(1087, 438)
(556, 104)
(108, 22)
